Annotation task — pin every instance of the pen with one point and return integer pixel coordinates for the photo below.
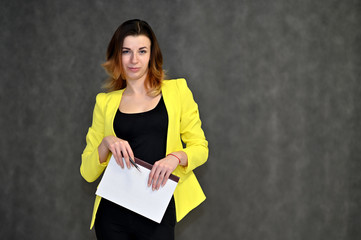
(134, 164)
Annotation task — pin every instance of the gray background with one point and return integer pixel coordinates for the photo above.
(278, 87)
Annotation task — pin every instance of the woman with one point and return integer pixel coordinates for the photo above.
(147, 117)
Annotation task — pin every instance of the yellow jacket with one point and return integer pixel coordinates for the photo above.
(184, 125)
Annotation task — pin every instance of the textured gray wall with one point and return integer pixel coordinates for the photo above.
(278, 86)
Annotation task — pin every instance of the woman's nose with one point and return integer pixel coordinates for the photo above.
(134, 58)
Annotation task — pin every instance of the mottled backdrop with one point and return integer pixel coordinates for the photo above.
(278, 87)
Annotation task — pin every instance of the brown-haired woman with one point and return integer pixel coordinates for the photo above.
(145, 116)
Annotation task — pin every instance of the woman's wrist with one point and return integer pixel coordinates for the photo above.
(103, 152)
(175, 156)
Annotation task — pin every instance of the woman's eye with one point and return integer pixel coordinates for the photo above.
(125, 51)
(142, 51)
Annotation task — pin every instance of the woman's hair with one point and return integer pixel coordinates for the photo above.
(113, 65)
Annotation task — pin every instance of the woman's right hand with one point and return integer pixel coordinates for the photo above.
(120, 149)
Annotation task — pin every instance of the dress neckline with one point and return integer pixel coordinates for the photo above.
(148, 111)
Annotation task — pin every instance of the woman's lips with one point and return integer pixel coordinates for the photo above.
(133, 69)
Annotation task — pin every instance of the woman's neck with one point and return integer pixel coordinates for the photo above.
(135, 88)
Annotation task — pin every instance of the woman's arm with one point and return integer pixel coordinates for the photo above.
(91, 167)
(98, 148)
(196, 151)
(119, 148)
(192, 135)
(163, 168)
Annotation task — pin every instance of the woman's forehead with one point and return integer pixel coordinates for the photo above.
(137, 41)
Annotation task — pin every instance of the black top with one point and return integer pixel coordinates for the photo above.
(146, 132)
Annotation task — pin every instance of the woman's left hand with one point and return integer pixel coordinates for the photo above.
(161, 171)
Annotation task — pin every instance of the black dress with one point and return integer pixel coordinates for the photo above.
(146, 133)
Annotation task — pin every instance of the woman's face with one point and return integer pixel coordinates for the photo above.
(135, 57)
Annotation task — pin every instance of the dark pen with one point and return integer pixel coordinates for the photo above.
(134, 164)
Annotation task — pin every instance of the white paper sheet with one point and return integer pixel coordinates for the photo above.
(128, 188)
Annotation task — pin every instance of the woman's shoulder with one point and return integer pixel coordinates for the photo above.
(175, 83)
(104, 97)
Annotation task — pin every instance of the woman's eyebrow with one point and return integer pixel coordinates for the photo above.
(130, 49)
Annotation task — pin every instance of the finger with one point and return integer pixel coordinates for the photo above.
(118, 156)
(165, 179)
(114, 149)
(129, 153)
(124, 146)
(126, 158)
(156, 178)
(151, 174)
(160, 179)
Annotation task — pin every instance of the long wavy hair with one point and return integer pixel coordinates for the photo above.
(113, 65)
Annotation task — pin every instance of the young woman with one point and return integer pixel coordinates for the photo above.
(147, 117)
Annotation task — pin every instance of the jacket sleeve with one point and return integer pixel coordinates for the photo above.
(91, 168)
(192, 135)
